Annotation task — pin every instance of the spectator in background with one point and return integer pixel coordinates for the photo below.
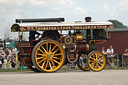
(103, 50)
(0, 61)
(3, 55)
(125, 58)
(13, 57)
(14, 50)
(10, 57)
(8, 53)
(1, 49)
(110, 52)
(0, 53)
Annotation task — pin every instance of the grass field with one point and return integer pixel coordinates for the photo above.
(63, 68)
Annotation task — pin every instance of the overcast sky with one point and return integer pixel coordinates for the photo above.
(71, 10)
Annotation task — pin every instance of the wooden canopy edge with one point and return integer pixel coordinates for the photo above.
(59, 26)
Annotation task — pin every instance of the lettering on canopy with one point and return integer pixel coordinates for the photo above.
(41, 28)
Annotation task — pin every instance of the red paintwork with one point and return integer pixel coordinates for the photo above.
(119, 41)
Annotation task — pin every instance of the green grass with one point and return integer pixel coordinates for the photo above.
(106, 68)
(63, 68)
(13, 70)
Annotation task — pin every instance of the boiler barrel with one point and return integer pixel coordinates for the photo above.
(40, 20)
(83, 48)
(86, 48)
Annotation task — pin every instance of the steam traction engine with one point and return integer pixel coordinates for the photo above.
(53, 48)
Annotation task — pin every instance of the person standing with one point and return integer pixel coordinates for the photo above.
(13, 60)
(88, 32)
(14, 50)
(110, 52)
(8, 53)
(0, 61)
(2, 55)
(125, 58)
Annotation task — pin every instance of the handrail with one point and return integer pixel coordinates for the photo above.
(114, 55)
(122, 59)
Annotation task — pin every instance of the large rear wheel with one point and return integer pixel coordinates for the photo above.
(48, 56)
(96, 61)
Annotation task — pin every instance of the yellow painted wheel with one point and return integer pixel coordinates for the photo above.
(48, 56)
(96, 61)
(82, 62)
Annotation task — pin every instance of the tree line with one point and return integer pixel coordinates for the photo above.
(118, 24)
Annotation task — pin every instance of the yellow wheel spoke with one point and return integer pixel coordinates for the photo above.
(55, 51)
(41, 51)
(41, 54)
(57, 54)
(55, 61)
(100, 63)
(50, 65)
(53, 48)
(94, 57)
(47, 64)
(43, 64)
(44, 49)
(50, 48)
(98, 66)
(47, 47)
(42, 60)
(100, 58)
(92, 65)
(39, 58)
(56, 58)
(91, 60)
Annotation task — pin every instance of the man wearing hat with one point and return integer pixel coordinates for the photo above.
(88, 32)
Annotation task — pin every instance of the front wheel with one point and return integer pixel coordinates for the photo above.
(48, 56)
(96, 61)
